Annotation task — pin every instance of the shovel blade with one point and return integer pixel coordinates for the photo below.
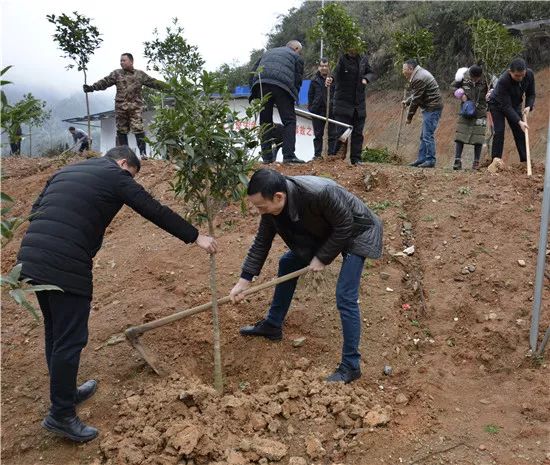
(147, 355)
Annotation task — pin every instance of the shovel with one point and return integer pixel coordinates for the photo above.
(134, 332)
(529, 169)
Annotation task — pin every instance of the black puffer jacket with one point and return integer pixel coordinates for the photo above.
(317, 95)
(282, 67)
(323, 220)
(70, 217)
(349, 92)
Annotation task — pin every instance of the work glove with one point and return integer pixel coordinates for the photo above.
(87, 88)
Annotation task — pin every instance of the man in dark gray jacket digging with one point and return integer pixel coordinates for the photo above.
(318, 220)
(279, 72)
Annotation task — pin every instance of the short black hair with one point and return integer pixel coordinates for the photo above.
(71, 128)
(129, 55)
(266, 182)
(123, 152)
(475, 71)
(323, 60)
(412, 63)
(518, 64)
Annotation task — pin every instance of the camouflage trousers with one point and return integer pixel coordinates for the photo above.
(129, 118)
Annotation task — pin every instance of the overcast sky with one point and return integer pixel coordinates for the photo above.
(224, 31)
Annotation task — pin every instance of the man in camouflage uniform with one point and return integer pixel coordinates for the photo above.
(129, 103)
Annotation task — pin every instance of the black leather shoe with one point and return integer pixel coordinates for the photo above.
(416, 163)
(294, 161)
(344, 375)
(357, 163)
(267, 161)
(86, 391)
(264, 329)
(71, 428)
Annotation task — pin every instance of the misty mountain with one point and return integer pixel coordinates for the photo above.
(53, 135)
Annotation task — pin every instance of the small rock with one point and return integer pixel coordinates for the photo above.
(388, 370)
(298, 342)
(471, 268)
(407, 226)
(378, 416)
(521, 263)
(297, 461)
(257, 421)
(133, 401)
(384, 276)
(409, 250)
(401, 399)
(268, 448)
(482, 447)
(314, 447)
(389, 289)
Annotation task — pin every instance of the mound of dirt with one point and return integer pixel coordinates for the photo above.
(180, 420)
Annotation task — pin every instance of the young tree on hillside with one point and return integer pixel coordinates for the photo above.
(78, 39)
(29, 110)
(204, 138)
(340, 33)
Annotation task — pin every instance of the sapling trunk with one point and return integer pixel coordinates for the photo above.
(325, 132)
(88, 115)
(218, 375)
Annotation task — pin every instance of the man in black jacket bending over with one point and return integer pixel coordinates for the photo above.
(318, 220)
(279, 72)
(505, 103)
(66, 230)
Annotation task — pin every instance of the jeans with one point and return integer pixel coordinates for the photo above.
(285, 104)
(426, 151)
(66, 334)
(347, 294)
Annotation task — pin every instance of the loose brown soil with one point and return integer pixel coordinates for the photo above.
(463, 388)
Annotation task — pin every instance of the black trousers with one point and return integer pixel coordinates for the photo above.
(66, 334)
(285, 104)
(356, 138)
(318, 131)
(15, 148)
(498, 136)
(84, 146)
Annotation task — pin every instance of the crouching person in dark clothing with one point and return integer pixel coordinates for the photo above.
(318, 220)
(66, 230)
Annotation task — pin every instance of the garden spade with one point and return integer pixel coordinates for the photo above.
(134, 332)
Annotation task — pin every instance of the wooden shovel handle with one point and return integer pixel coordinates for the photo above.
(136, 331)
(528, 149)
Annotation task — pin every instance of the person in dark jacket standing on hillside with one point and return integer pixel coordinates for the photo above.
(505, 102)
(351, 75)
(318, 220)
(317, 104)
(427, 96)
(470, 129)
(279, 72)
(66, 230)
(129, 104)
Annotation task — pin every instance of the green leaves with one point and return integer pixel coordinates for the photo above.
(415, 44)
(493, 45)
(77, 38)
(339, 31)
(208, 142)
